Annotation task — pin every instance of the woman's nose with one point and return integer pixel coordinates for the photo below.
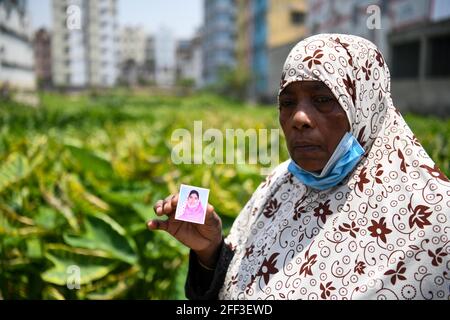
(302, 116)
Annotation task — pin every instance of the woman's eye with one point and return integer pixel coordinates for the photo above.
(287, 103)
(323, 99)
(324, 103)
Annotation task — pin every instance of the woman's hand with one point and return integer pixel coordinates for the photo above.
(204, 239)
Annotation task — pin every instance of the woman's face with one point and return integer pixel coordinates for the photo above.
(192, 199)
(313, 123)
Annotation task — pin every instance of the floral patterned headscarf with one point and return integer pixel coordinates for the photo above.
(382, 233)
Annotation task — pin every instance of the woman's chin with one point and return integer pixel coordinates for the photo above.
(310, 165)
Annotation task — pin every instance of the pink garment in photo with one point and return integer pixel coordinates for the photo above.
(194, 213)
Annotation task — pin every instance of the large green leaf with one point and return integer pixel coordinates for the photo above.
(81, 198)
(62, 207)
(91, 267)
(103, 233)
(89, 161)
(47, 218)
(112, 292)
(34, 248)
(15, 168)
(51, 293)
(113, 286)
(125, 197)
(145, 212)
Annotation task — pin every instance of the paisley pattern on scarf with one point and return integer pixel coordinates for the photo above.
(382, 233)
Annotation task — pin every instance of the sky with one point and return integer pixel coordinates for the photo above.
(183, 17)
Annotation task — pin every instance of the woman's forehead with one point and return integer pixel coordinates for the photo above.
(312, 85)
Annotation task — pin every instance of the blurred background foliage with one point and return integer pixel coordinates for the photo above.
(78, 180)
(79, 177)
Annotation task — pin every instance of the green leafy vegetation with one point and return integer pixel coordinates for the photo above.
(79, 177)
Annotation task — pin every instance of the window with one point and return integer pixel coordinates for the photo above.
(405, 60)
(297, 17)
(438, 56)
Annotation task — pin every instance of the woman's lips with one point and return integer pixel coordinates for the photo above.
(306, 149)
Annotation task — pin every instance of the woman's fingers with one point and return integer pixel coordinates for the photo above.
(174, 201)
(158, 225)
(158, 207)
(166, 206)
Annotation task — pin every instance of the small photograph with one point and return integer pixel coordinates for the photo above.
(192, 203)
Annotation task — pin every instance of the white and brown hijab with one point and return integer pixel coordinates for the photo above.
(382, 233)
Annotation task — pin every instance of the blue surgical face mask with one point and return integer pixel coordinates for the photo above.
(341, 163)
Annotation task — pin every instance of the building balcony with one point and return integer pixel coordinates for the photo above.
(19, 66)
(14, 34)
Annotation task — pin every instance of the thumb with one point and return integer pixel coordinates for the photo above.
(210, 213)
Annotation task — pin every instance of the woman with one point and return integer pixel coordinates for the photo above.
(193, 210)
(360, 211)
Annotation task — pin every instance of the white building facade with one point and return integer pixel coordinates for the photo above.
(133, 41)
(16, 51)
(133, 44)
(190, 60)
(85, 43)
(165, 65)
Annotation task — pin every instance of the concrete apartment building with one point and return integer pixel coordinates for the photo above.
(16, 51)
(85, 43)
(149, 61)
(133, 41)
(189, 60)
(414, 36)
(219, 37)
(165, 64)
(267, 31)
(43, 57)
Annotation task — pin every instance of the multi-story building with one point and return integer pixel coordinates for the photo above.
(132, 54)
(219, 37)
(244, 35)
(132, 44)
(268, 29)
(260, 62)
(189, 60)
(85, 43)
(286, 24)
(16, 51)
(149, 61)
(414, 36)
(43, 57)
(165, 65)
